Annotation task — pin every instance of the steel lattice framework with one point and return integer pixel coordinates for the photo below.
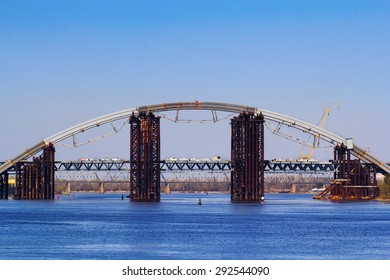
(145, 157)
(247, 178)
(352, 180)
(35, 180)
(270, 166)
(4, 185)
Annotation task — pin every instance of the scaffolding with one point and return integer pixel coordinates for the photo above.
(4, 185)
(247, 152)
(352, 179)
(145, 157)
(35, 180)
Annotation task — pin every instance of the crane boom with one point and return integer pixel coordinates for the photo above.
(317, 137)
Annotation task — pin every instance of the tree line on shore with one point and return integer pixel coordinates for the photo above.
(94, 186)
(385, 187)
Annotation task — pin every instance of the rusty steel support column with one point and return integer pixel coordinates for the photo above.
(145, 157)
(27, 181)
(352, 180)
(35, 180)
(4, 185)
(18, 180)
(247, 152)
(47, 159)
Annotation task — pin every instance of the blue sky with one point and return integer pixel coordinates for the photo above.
(64, 62)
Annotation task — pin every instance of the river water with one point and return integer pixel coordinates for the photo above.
(287, 226)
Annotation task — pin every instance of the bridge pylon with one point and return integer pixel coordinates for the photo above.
(352, 180)
(145, 157)
(247, 152)
(35, 180)
(4, 185)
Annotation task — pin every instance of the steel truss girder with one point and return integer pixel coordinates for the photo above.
(169, 165)
(96, 165)
(269, 166)
(298, 178)
(91, 176)
(247, 152)
(145, 157)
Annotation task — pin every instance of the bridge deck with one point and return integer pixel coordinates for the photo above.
(165, 165)
(271, 166)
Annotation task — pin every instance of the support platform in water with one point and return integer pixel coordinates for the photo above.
(145, 157)
(4, 185)
(35, 180)
(352, 179)
(247, 176)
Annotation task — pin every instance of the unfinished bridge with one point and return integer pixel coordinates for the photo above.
(355, 175)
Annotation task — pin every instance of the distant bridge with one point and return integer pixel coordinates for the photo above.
(181, 170)
(179, 165)
(167, 165)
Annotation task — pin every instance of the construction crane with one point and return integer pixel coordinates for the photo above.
(316, 139)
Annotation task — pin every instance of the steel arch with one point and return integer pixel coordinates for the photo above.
(226, 107)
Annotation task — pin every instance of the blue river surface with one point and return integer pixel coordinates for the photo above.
(288, 226)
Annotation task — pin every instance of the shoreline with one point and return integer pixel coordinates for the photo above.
(385, 200)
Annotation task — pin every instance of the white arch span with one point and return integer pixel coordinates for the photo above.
(233, 108)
